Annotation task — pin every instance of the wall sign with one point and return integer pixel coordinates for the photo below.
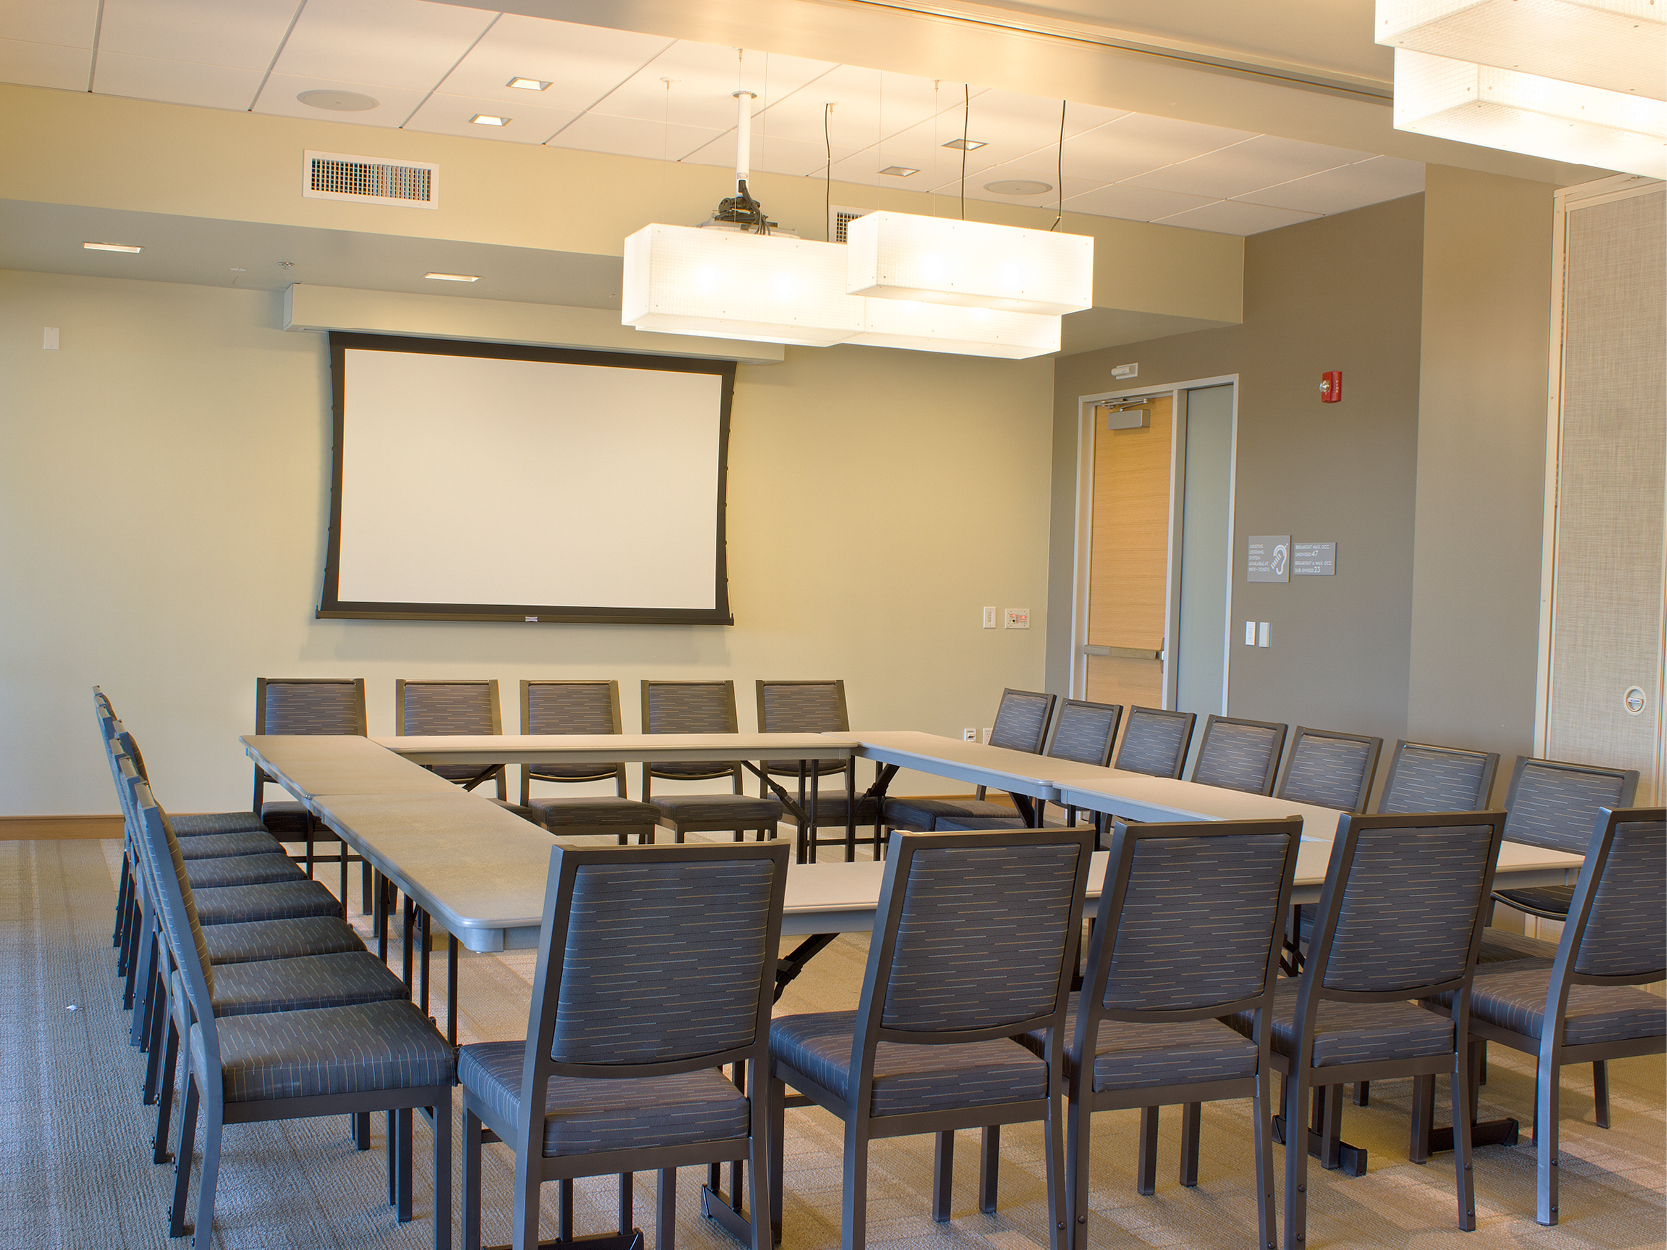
(1314, 559)
(1268, 558)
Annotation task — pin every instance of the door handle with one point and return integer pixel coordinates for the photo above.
(1123, 653)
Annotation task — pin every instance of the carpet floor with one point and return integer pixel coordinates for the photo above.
(75, 1146)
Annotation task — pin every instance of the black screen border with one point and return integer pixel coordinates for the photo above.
(332, 607)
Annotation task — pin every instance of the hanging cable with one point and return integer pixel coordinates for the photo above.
(827, 171)
(1059, 174)
(966, 119)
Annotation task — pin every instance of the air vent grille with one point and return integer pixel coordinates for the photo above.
(333, 176)
(840, 216)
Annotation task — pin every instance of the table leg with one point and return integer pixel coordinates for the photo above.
(1027, 809)
(410, 917)
(427, 940)
(379, 920)
(851, 810)
(793, 963)
(451, 988)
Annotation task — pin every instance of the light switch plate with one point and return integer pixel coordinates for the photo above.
(1018, 618)
(989, 618)
(49, 340)
(1250, 633)
(1262, 634)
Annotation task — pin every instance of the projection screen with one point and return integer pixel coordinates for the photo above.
(484, 481)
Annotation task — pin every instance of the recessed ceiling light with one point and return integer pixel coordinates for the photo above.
(899, 171)
(454, 277)
(1019, 187)
(486, 119)
(966, 145)
(339, 101)
(111, 247)
(527, 84)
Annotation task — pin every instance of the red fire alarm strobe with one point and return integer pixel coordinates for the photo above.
(1331, 386)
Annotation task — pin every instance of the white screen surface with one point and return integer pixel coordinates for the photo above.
(472, 480)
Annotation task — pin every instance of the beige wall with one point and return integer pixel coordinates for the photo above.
(163, 495)
(1481, 461)
(1337, 293)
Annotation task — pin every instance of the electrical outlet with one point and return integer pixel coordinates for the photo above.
(969, 735)
(1018, 618)
(989, 618)
(1262, 634)
(49, 338)
(986, 737)
(1250, 633)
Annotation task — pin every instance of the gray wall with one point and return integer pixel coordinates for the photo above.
(1340, 292)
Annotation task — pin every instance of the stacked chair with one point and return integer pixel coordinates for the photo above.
(580, 707)
(1021, 724)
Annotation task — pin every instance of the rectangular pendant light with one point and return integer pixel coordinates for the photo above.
(935, 260)
(958, 331)
(736, 284)
(1537, 116)
(1614, 45)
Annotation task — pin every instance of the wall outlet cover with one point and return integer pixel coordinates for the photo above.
(969, 735)
(1018, 618)
(1261, 633)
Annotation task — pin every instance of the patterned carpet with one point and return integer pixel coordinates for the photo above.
(76, 1157)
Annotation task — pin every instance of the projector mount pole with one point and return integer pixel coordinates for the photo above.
(742, 209)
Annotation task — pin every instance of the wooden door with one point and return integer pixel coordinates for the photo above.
(1128, 570)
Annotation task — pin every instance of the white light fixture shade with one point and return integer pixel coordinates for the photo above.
(935, 260)
(1615, 45)
(960, 331)
(734, 284)
(1546, 117)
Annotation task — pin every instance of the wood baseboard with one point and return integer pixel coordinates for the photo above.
(53, 828)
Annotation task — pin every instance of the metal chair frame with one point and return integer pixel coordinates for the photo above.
(1484, 788)
(1279, 732)
(1628, 778)
(1368, 774)
(731, 770)
(500, 771)
(1136, 712)
(810, 774)
(603, 771)
(344, 857)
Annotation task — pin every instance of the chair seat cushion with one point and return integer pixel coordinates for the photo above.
(910, 1079)
(208, 824)
(285, 818)
(1136, 1056)
(922, 815)
(529, 814)
(717, 811)
(228, 845)
(588, 1116)
(967, 824)
(285, 900)
(1355, 1032)
(595, 810)
(332, 1050)
(241, 870)
(830, 808)
(1513, 998)
(279, 939)
(1502, 946)
(300, 984)
(1544, 900)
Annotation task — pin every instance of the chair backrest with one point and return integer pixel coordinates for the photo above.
(448, 707)
(1190, 923)
(653, 960)
(1616, 933)
(1330, 769)
(803, 707)
(1554, 804)
(1425, 778)
(310, 705)
(1239, 754)
(1403, 907)
(1085, 732)
(1021, 722)
(570, 707)
(1155, 742)
(974, 937)
(689, 707)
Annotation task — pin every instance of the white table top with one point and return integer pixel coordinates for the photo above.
(486, 749)
(1142, 797)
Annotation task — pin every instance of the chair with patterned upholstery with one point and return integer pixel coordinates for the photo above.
(1239, 754)
(1192, 918)
(342, 1060)
(1552, 806)
(1330, 769)
(974, 946)
(306, 705)
(1425, 778)
(810, 707)
(700, 707)
(1155, 742)
(580, 707)
(453, 707)
(619, 1071)
(1400, 918)
(1583, 1007)
(1021, 724)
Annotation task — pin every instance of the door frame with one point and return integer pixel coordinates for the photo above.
(1082, 538)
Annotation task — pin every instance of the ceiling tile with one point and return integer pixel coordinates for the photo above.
(443, 114)
(44, 64)
(246, 35)
(1236, 217)
(1246, 166)
(976, 188)
(704, 78)
(627, 136)
(68, 23)
(1134, 144)
(391, 43)
(581, 63)
(176, 82)
(394, 104)
(1132, 203)
(868, 106)
(1352, 186)
(769, 155)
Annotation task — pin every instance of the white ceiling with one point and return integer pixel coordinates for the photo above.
(433, 67)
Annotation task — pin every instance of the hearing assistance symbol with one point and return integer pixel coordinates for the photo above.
(1268, 558)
